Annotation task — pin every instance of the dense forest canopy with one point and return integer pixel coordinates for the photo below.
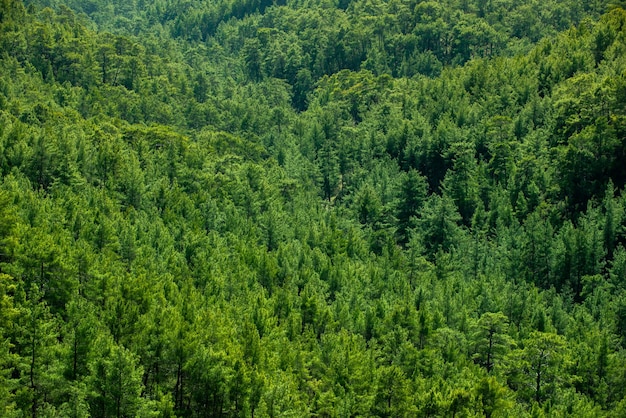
(250, 208)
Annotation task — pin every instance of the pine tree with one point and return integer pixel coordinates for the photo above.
(114, 382)
(37, 348)
(412, 197)
(8, 314)
(490, 340)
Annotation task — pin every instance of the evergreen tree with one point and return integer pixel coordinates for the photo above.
(412, 196)
(114, 382)
(490, 339)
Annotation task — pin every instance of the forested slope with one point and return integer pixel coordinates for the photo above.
(353, 208)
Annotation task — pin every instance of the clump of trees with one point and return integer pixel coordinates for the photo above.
(340, 208)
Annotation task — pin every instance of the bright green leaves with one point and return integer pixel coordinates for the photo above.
(393, 393)
(538, 369)
(37, 366)
(343, 375)
(177, 240)
(8, 223)
(490, 340)
(115, 381)
(492, 397)
(8, 314)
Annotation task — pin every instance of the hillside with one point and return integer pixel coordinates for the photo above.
(339, 208)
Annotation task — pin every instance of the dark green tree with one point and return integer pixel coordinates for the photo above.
(412, 196)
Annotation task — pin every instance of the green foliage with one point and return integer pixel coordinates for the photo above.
(490, 339)
(538, 369)
(411, 200)
(338, 208)
(114, 382)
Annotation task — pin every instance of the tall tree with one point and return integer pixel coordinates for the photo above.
(114, 381)
(540, 366)
(413, 193)
(490, 340)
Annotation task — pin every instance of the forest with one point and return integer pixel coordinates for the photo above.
(298, 208)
